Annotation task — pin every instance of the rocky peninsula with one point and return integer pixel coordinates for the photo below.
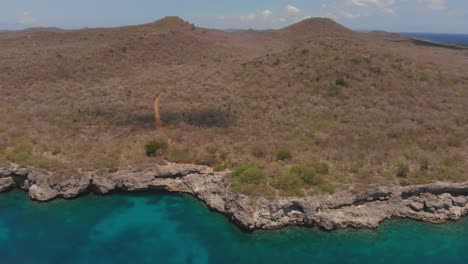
(435, 203)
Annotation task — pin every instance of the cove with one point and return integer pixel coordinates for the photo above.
(174, 228)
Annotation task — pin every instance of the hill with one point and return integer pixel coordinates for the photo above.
(351, 109)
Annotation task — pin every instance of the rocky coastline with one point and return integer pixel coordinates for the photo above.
(435, 203)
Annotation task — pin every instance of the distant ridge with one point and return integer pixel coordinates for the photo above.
(172, 22)
(169, 21)
(53, 29)
(317, 24)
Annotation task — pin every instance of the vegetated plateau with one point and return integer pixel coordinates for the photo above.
(313, 107)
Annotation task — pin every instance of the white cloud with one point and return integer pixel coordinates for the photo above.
(383, 5)
(331, 15)
(221, 17)
(349, 15)
(375, 3)
(248, 17)
(292, 10)
(27, 19)
(267, 14)
(434, 4)
(352, 9)
(267, 18)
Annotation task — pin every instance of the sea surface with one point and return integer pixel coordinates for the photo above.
(166, 228)
(461, 39)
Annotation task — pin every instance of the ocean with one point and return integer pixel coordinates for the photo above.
(461, 39)
(169, 228)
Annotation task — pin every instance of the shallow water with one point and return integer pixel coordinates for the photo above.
(164, 228)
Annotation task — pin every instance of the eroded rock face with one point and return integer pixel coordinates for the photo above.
(42, 193)
(6, 184)
(459, 201)
(416, 206)
(436, 203)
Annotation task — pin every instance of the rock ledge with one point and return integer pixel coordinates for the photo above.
(436, 203)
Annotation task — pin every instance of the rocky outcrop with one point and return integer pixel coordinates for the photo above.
(6, 184)
(436, 203)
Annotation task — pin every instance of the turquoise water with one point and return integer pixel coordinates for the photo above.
(164, 228)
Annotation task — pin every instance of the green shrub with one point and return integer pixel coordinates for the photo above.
(220, 167)
(320, 167)
(325, 187)
(20, 154)
(307, 174)
(304, 51)
(424, 77)
(402, 171)
(283, 154)
(240, 169)
(43, 163)
(397, 66)
(179, 155)
(23, 154)
(356, 60)
(239, 188)
(340, 81)
(290, 183)
(155, 148)
(105, 162)
(376, 70)
(424, 166)
(334, 90)
(205, 158)
(250, 181)
(251, 176)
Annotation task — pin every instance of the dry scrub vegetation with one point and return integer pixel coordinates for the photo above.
(275, 107)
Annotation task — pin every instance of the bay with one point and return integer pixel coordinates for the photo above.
(167, 228)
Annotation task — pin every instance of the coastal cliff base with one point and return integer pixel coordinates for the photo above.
(435, 203)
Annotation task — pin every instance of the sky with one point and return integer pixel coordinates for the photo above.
(437, 16)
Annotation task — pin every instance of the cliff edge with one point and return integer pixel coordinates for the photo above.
(435, 203)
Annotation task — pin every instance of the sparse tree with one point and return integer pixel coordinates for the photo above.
(157, 113)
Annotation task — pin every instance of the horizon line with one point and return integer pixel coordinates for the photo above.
(227, 28)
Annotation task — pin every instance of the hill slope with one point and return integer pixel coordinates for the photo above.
(375, 111)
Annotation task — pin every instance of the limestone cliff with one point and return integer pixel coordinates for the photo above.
(436, 203)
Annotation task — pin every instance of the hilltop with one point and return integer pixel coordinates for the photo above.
(309, 108)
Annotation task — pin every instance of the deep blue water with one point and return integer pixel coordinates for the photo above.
(163, 228)
(443, 38)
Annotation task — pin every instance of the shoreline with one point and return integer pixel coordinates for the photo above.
(434, 203)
